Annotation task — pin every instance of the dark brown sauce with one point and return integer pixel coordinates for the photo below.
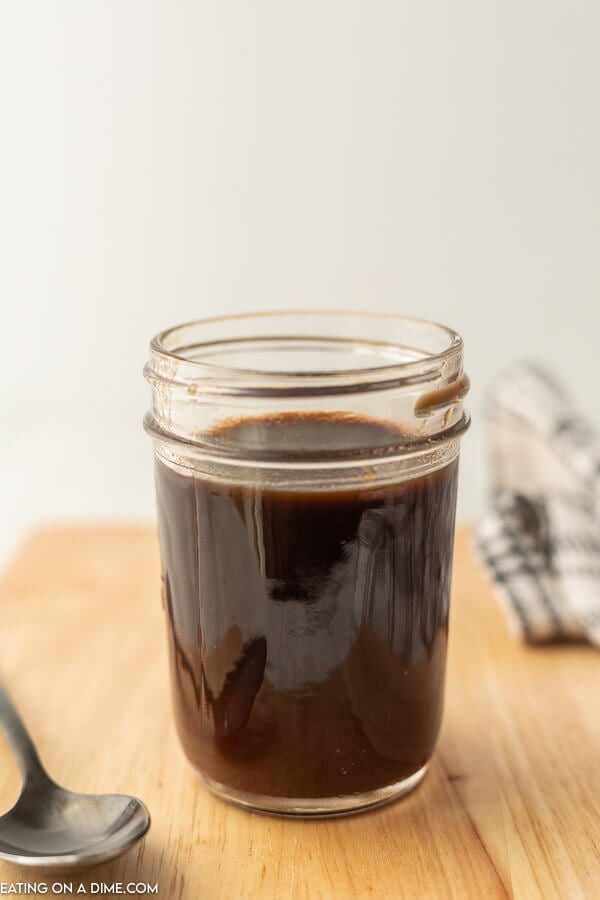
(308, 629)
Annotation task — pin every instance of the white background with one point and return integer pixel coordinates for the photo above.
(161, 161)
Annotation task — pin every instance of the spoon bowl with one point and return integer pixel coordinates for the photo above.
(70, 829)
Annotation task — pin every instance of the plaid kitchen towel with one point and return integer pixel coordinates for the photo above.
(540, 541)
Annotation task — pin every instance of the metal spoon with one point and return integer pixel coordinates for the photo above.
(50, 826)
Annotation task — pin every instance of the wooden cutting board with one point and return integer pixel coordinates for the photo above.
(508, 809)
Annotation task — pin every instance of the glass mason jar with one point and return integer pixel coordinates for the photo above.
(306, 469)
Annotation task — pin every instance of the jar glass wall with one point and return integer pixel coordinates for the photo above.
(306, 470)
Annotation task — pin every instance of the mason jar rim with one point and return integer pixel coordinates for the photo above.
(172, 360)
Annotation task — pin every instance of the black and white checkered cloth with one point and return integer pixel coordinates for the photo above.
(540, 541)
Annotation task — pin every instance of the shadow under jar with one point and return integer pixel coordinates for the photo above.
(306, 470)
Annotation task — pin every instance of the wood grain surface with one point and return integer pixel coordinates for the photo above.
(508, 809)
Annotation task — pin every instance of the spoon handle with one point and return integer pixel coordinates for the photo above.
(18, 738)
